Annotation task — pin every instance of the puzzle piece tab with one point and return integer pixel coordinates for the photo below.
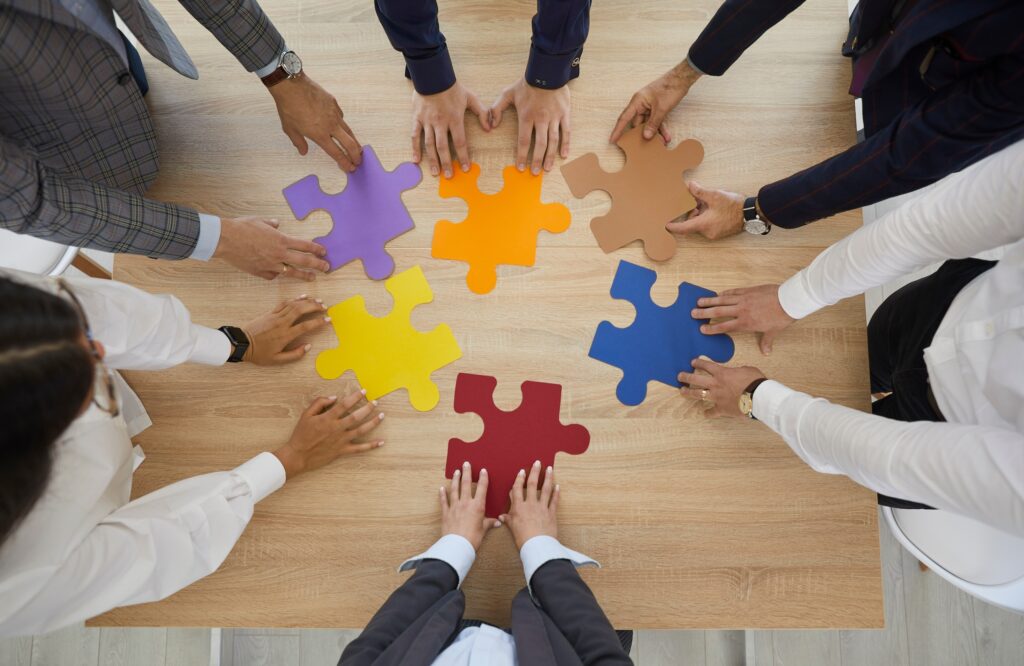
(511, 441)
(500, 228)
(367, 214)
(661, 342)
(387, 353)
(647, 193)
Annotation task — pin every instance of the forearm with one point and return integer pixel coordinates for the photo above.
(735, 26)
(975, 471)
(413, 30)
(968, 212)
(560, 29)
(242, 27)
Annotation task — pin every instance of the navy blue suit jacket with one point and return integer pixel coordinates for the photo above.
(946, 90)
(559, 30)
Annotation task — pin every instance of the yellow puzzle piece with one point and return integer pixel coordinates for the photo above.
(387, 353)
(500, 228)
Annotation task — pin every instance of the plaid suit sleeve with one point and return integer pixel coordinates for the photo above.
(735, 26)
(76, 211)
(947, 131)
(242, 27)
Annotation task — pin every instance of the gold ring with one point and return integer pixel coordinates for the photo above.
(704, 394)
(284, 269)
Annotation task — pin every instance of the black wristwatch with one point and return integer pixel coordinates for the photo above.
(752, 222)
(747, 398)
(239, 342)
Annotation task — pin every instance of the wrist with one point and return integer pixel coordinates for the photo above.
(250, 350)
(686, 72)
(290, 460)
(228, 225)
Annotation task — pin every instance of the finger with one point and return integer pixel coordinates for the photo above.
(720, 327)
(430, 145)
(299, 308)
(694, 380)
(304, 260)
(319, 405)
(517, 486)
(271, 222)
(566, 136)
(306, 327)
(336, 153)
(523, 144)
(443, 498)
(724, 298)
(466, 486)
(461, 146)
(298, 141)
(291, 355)
(717, 312)
(482, 113)
(357, 416)
(490, 524)
(540, 146)
(692, 225)
(301, 245)
(695, 393)
(698, 191)
(548, 487)
(343, 135)
(531, 483)
(368, 427)
(481, 487)
(766, 342)
(728, 293)
(362, 447)
(552, 147)
(625, 118)
(713, 411)
(499, 107)
(706, 365)
(346, 403)
(444, 153)
(654, 121)
(666, 136)
(417, 140)
(554, 498)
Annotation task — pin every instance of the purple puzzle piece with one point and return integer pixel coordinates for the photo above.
(367, 214)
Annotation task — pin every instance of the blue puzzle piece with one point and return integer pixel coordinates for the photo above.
(661, 342)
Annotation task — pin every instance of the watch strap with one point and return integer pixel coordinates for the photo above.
(239, 342)
(275, 77)
(749, 209)
(750, 391)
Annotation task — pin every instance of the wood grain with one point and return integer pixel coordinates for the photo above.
(699, 524)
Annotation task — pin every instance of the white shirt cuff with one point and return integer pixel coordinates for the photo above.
(212, 346)
(453, 549)
(268, 69)
(209, 237)
(768, 399)
(795, 299)
(264, 474)
(540, 550)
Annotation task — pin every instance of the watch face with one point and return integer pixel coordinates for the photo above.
(291, 63)
(746, 404)
(755, 226)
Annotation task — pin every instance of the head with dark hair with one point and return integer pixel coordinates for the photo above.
(46, 377)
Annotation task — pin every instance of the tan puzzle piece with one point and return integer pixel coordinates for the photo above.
(647, 193)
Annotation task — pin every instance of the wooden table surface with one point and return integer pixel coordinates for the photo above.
(697, 523)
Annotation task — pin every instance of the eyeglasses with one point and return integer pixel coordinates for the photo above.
(103, 372)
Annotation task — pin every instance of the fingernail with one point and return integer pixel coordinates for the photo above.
(536, 463)
(457, 472)
(447, 173)
(373, 402)
(381, 417)
(442, 489)
(497, 523)
(363, 391)
(704, 329)
(549, 469)
(433, 171)
(521, 472)
(465, 465)
(483, 471)
(327, 318)
(465, 168)
(536, 170)
(648, 134)
(693, 312)
(332, 397)
(557, 487)
(380, 443)
(307, 347)
(520, 166)
(303, 296)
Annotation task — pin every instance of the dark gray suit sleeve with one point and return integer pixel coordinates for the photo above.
(76, 211)
(570, 604)
(419, 594)
(242, 27)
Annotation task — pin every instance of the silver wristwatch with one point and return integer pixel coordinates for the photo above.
(288, 67)
(752, 222)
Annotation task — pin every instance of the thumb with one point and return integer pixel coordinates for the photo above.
(490, 524)
(697, 190)
(499, 107)
(482, 114)
(766, 342)
(690, 225)
(298, 141)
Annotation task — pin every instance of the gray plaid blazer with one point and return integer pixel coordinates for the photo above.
(77, 147)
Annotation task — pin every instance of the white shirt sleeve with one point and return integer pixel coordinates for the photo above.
(975, 471)
(540, 550)
(453, 549)
(142, 331)
(209, 237)
(153, 546)
(977, 209)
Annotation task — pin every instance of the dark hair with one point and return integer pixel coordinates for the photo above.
(45, 377)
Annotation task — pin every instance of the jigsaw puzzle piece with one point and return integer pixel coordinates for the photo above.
(499, 228)
(511, 441)
(661, 342)
(367, 214)
(387, 353)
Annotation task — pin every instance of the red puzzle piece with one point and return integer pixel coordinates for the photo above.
(511, 441)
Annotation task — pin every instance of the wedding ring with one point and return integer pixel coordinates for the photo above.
(704, 394)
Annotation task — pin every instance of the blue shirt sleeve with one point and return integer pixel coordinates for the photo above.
(560, 29)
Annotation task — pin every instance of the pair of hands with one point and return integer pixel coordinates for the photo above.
(534, 509)
(330, 426)
(718, 213)
(750, 310)
(543, 116)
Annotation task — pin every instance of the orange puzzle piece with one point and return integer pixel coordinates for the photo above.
(647, 193)
(500, 228)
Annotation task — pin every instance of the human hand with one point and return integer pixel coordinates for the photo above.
(434, 117)
(327, 430)
(307, 110)
(719, 385)
(754, 309)
(534, 512)
(653, 102)
(462, 512)
(718, 214)
(271, 333)
(543, 115)
(254, 245)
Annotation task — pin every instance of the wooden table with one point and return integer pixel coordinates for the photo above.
(698, 523)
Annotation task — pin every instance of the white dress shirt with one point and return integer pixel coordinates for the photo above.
(487, 645)
(84, 548)
(973, 464)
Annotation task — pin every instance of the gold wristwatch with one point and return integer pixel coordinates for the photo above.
(747, 398)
